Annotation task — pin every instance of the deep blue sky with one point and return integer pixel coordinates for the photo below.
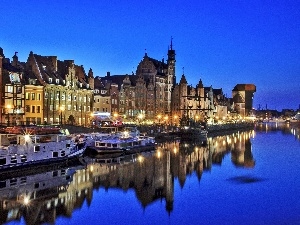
(222, 42)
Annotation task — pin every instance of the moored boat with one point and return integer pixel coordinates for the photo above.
(20, 151)
(121, 143)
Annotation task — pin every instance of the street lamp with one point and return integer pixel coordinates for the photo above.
(175, 119)
(140, 117)
(61, 110)
(8, 107)
(159, 116)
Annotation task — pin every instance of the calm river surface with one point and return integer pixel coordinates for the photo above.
(247, 177)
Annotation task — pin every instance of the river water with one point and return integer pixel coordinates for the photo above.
(249, 177)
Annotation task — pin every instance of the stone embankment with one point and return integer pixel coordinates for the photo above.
(213, 130)
(223, 129)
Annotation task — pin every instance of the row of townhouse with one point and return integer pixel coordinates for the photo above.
(45, 90)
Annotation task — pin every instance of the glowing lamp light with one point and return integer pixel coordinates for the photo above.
(26, 137)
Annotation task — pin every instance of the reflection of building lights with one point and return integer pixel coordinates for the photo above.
(26, 200)
(175, 150)
(140, 158)
(158, 154)
(92, 168)
(196, 149)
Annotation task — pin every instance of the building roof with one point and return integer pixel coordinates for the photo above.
(245, 87)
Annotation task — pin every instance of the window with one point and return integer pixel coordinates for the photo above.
(37, 148)
(38, 96)
(27, 108)
(38, 109)
(57, 81)
(19, 90)
(10, 89)
(32, 96)
(33, 109)
(27, 96)
(50, 80)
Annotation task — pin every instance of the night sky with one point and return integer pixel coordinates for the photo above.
(222, 42)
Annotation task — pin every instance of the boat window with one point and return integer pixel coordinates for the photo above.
(2, 161)
(63, 153)
(68, 145)
(2, 184)
(109, 145)
(63, 172)
(23, 158)
(13, 159)
(55, 154)
(36, 185)
(102, 144)
(55, 173)
(13, 181)
(114, 145)
(37, 148)
(23, 180)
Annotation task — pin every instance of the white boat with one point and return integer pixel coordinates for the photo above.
(27, 150)
(121, 143)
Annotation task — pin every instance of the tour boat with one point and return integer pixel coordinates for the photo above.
(19, 151)
(121, 143)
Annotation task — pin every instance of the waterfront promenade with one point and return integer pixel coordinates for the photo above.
(165, 130)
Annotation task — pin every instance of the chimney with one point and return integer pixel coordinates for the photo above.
(54, 62)
(15, 60)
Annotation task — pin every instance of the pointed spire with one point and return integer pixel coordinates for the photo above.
(183, 79)
(171, 43)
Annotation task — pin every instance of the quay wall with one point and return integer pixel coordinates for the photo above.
(223, 129)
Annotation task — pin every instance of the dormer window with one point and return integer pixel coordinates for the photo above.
(80, 84)
(50, 80)
(57, 81)
(87, 85)
(64, 82)
(44, 67)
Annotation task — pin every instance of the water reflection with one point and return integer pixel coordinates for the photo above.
(286, 128)
(41, 198)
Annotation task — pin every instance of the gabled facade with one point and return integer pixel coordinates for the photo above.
(12, 76)
(68, 97)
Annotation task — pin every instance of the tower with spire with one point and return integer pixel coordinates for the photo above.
(171, 78)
